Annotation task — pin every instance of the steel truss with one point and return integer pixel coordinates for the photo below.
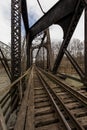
(67, 19)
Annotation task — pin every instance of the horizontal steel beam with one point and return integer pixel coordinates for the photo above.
(56, 13)
(25, 15)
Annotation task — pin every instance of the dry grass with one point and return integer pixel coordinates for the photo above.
(4, 81)
(74, 83)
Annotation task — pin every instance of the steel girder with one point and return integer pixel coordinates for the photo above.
(85, 44)
(67, 18)
(70, 30)
(26, 25)
(28, 50)
(58, 12)
(56, 15)
(15, 39)
(25, 15)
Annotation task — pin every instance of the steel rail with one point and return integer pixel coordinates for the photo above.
(79, 96)
(71, 116)
(54, 104)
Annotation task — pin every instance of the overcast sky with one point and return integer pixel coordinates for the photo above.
(34, 14)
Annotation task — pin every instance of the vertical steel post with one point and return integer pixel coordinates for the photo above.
(43, 58)
(15, 39)
(48, 60)
(49, 52)
(31, 56)
(85, 39)
(28, 49)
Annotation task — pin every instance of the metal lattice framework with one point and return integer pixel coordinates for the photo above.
(16, 39)
(67, 19)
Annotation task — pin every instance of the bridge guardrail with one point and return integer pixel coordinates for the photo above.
(13, 96)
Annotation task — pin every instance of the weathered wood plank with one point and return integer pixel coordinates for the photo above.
(20, 123)
(54, 126)
(30, 113)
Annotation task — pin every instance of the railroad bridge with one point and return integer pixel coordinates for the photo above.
(38, 97)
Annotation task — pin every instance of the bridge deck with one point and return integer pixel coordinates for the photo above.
(38, 112)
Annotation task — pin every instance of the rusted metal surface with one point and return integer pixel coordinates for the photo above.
(15, 39)
(77, 13)
(25, 15)
(67, 18)
(78, 95)
(67, 95)
(39, 112)
(43, 110)
(49, 51)
(45, 117)
(55, 106)
(85, 46)
(58, 12)
(28, 47)
(67, 21)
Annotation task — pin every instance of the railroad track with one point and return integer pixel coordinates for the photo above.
(44, 114)
(49, 104)
(68, 105)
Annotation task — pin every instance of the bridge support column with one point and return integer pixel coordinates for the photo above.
(85, 50)
(31, 56)
(28, 50)
(15, 39)
(48, 60)
(49, 52)
(16, 50)
(43, 59)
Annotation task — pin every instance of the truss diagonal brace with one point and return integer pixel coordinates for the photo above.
(72, 26)
(75, 65)
(25, 15)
